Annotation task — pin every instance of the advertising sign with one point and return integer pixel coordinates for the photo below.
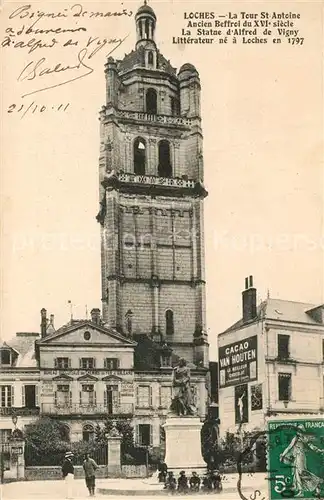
(238, 362)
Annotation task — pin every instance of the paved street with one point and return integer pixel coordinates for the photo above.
(52, 490)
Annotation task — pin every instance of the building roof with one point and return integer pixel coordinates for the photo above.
(24, 345)
(137, 58)
(145, 9)
(188, 67)
(285, 310)
(75, 324)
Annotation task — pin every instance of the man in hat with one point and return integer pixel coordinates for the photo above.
(68, 473)
(89, 467)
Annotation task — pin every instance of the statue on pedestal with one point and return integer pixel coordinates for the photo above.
(182, 403)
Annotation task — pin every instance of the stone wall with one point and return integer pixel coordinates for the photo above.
(40, 473)
(49, 473)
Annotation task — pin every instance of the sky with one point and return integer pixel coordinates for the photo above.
(262, 119)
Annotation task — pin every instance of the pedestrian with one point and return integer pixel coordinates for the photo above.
(194, 482)
(183, 482)
(68, 474)
(217, 481)
(207, 483)
(163, 469)
(90, 467)
(170, 482)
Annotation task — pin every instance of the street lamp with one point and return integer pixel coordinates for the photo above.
(14, 420)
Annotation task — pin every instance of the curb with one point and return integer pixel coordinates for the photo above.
(162, 492)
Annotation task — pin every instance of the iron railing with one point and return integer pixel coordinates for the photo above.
(87, 409)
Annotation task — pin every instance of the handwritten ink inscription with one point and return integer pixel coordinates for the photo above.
(39, 34)
(32, 108)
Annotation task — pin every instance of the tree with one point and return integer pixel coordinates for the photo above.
(45, 443)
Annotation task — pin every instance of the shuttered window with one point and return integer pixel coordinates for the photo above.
(144, 396)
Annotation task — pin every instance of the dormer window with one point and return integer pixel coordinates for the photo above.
(5, 357)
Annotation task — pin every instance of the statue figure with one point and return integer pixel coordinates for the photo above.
(182, 403)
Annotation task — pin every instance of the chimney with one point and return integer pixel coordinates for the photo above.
(95, 316)
(249, 300)
(52, 320)
(43, 324)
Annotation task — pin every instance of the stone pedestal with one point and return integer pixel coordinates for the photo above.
(183, 445)
(114, 459)
(17, 460)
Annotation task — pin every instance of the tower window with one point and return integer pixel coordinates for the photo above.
(139, 156)
(129, 322)
(150, 58)
(164, 168)
(174, 106)
(147, 28)
(169, 324)
(151, 102)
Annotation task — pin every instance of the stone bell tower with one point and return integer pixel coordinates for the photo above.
(151, 188)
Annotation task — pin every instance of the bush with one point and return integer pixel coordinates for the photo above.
(45, 443)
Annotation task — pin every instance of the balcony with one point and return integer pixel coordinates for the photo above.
(83, 409)
(153, 184)
(20, 412)
(159, 119)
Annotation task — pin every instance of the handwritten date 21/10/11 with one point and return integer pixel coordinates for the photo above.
(34, 108)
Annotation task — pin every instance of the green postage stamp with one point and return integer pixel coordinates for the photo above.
(296, 458)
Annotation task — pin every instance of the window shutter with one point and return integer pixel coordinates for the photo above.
(95, 397)
(80, 362)
(23, 399)
(150, 396)
(136, 436)
(151, 434)
(105, 363)
(69, 362)
(55, 398)
(70, 398)
(105, 397)
(36, 396)
(160, 396)
(94, 362)
(137, 396)
(55, 363)
(12, 396)
(289, 389)
(80, 395)
(117, 363)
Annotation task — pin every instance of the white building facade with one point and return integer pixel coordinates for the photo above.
(271, 363)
